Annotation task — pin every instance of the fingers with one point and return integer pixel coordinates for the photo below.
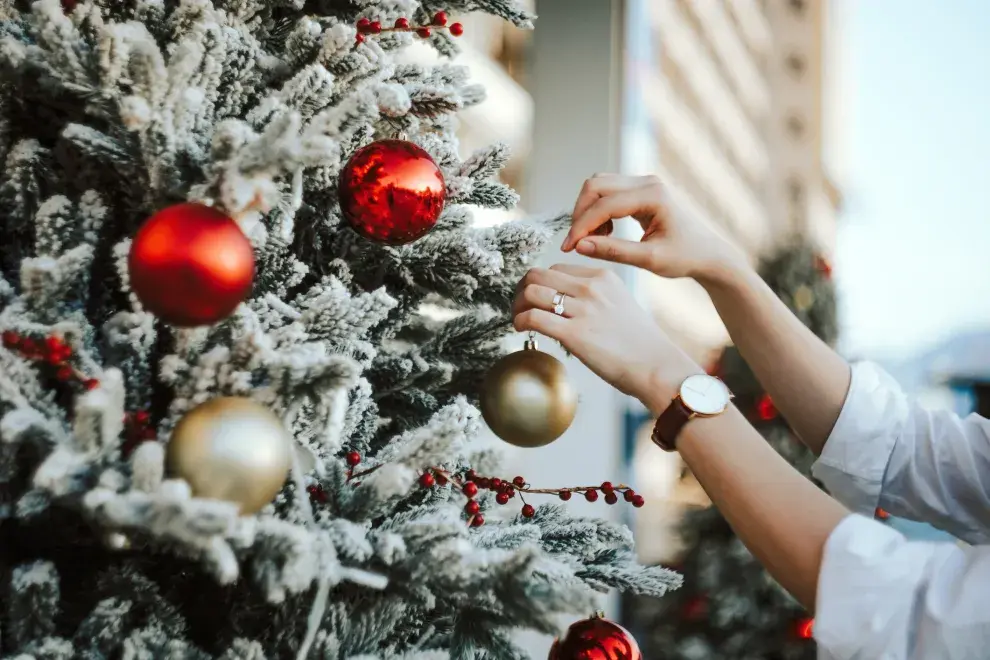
(597, 186)
(641, 255)
(639, 201)
(554, 278)
(543, 322)
(536, 296)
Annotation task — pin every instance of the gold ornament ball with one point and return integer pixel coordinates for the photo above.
(233, 449)
(527, 400)
(804, 298)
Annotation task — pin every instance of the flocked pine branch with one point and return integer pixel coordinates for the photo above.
(112, 111)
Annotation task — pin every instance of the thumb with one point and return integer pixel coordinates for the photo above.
(608, 248)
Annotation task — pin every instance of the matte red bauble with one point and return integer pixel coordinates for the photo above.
(596, 639)
(392, 192)
(191, 265)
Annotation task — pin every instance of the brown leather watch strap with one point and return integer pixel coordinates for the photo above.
(669, 424)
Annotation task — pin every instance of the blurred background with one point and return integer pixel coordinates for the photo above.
(859, 125)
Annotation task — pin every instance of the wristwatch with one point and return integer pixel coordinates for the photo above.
(700, 395)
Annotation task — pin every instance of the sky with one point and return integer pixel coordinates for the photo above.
(913, 157)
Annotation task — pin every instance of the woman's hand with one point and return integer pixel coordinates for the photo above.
(673, 245)
(604, 327)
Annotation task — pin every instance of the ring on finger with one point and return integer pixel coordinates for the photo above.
(558, 303)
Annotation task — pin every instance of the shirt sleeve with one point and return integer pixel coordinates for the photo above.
(881, 597)
(888, 451)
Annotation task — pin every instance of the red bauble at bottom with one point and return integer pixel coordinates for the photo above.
(596, 638)
(191, 265)
(391, 191)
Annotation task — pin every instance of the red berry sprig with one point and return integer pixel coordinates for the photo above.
(52, 351)
(137, 429)
(471, 484)
(366, 26)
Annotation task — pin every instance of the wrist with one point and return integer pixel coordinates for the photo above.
(663, 384)
(726, 273)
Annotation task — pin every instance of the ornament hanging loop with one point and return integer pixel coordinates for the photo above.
(530, 344)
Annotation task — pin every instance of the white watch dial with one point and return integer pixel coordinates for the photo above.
(705, 395)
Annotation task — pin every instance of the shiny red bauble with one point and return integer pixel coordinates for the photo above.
(191, 265)
(596, 639)
(391, 191)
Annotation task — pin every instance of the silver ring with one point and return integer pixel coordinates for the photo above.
(558, 303)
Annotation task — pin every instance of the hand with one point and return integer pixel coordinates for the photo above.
(673, 245)
(604, 327)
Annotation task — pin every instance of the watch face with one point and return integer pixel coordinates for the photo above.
(705, 395)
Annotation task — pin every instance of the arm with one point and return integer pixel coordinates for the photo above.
(876, 595)
(807, 380)
(780, 515)
(888, 451)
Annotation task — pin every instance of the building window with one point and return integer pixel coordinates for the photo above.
(797, 6)
(795, 126)
(795, 65)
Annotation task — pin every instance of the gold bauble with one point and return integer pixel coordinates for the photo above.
(233, 449)
(804, 298)
(526, 398)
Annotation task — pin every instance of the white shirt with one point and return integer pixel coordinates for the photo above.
(880, 596)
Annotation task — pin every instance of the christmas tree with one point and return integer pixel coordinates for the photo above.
(729, 607)
(245, 317)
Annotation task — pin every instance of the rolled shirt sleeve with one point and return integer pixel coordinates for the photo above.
(881, 597)
(887, 451)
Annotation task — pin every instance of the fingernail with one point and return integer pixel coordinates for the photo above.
(585, 247)
(566, 244)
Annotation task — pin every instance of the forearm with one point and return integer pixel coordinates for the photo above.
(778, 514)
(807, 380)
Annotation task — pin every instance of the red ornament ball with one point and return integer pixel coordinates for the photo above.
(805, 628)
(391, 191)
(596, 639)
(191, 265)
(456, 29)
(765, 409)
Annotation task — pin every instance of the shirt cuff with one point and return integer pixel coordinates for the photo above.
(858, 449)
(862, 591)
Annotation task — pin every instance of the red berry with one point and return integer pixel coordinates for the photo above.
(472, 508)
(528, 511)
(629, 495)
(29, 347)
(424, 32)
(519, 482)
(591, 495)
(511, 492)
(565, 495)
(65, 374)
(502, 498)
(426, 480)
(359, 39)
(440, 18)
(363, 24)
(11, 339)
(611, 497)
(456, 29)
(441, 479)
(142, 417)
(470, 489)
(470, 475)
(607, 486)
(495, 483)
(638, 501)
(91, 383)
(483, 482)
(149, 433)
(478, 521)
(353, 458)
(401, 24)
(316, 493)
(375, 27)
